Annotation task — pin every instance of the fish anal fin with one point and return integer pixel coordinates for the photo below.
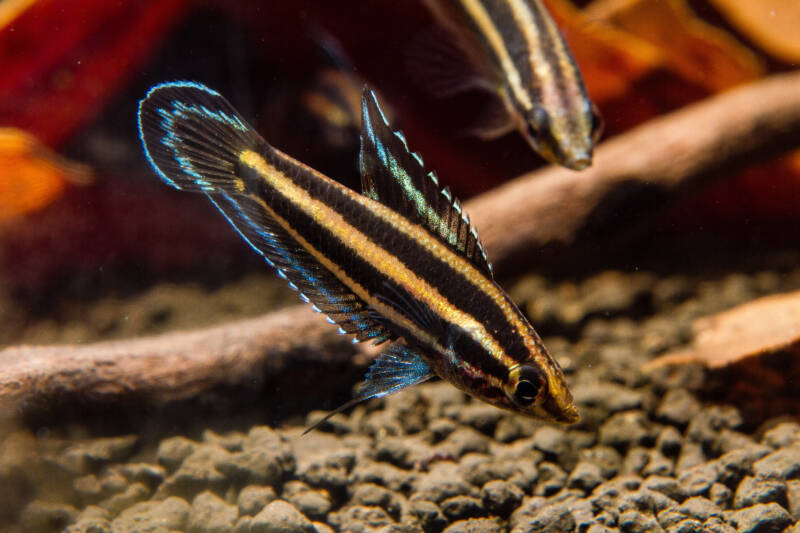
(395, 369)
(397, 177)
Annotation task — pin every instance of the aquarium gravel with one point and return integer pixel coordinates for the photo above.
(650, 454)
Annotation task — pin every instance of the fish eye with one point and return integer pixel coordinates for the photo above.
(529, 385)
(538, 121)
(598, 124)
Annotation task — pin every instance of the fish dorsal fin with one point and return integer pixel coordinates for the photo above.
(395, 369)
(395, 176)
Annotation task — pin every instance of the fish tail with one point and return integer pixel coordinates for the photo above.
(193, 137)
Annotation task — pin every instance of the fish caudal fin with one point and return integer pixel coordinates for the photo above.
(193, 137)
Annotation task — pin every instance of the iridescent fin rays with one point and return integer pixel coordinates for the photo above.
(193, 137)
(395, 176)
(395, 369)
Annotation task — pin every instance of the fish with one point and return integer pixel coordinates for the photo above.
(518, 54)
(399, 262)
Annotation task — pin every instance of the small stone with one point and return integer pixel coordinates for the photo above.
(635, 461)
(371, 495)
(605, 457)
(172, 451)
(98, 452)
(637, 522)
(252, 466)
(793, 498)
(232, 442)
(429, 515)
(717, 525)
(669, 441)
(678, 407)
(461, 507)
(720, 494)
(252, 499)
(700, 508)
(698, 480)
(441, 483)
(668, 486)
(475, 525)
(626, 429)
(610, 397)
(759, 490)
(481, 416)
(783, 464)
(360, 519)
(551, 441)
(280, 517)
(197, 473)
(394, 450)
(441, 428)
(211, 514)
(658, 465)
(462, 441)
(555, 518)
(687, 525)
(273, 444)
(691, 455)
(39, 516)
(501, 497)
(783, 435)
(601, 528)
(734, 465)
(319, 527)
(384, 474)
(646, 499)
(761, 518)
(170, 514)
(133, 493)
(511, 428)
(146, 473)
(670, 517)
(707, 425)
(585, 476)
(551, 479)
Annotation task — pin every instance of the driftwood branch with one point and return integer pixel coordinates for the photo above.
(546, 207)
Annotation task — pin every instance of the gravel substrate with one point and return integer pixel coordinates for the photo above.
(651, 453)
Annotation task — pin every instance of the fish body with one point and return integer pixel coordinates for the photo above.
(517, 49)
(399, 262)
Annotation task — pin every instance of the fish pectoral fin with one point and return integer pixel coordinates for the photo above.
(397, 368)
(441, 68)
(397, 177)
(493, 122)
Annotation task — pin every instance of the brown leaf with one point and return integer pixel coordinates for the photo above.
(702, 54)
(771, 24)
(764, 326)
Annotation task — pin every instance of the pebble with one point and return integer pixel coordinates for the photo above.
(172, 451)
(636, 522)
(552, 479)
(40, 516)
(371, 495)
(462, 441)
(626, 429)
(585, 476)
(551, 441)
(95, 453)
(706, 426)
(720, 494)
(761, 518)
(211, 514)
(480, 416)
(501, 497)
(197, 473)
(555, 518)
(759, 490)
(475, 525)
(781, 464)
(691, 455)
(669, 441)
(782, 436)
(253, 498)
(441, 483)
(360, 519)
(635, 461)
(146, 473)
(610, 397)
(700, 508)
(384, 474)
(429, 515)
(604, 457)
(667, 486)
(252, 466)
(793, 498)
(171, 514)
(461, 507)
(733, 466)
(658, 464)
(698, 480)
(133, 493)
(678, 407)
(280, 517)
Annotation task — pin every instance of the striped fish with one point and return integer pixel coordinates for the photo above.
(520, 55)
(399, 262)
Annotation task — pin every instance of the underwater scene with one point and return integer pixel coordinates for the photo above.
(460, 266)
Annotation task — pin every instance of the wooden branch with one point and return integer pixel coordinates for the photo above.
(641, 167)
(542, 208)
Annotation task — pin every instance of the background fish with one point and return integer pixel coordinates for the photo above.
(519, 54)
(400, 261)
